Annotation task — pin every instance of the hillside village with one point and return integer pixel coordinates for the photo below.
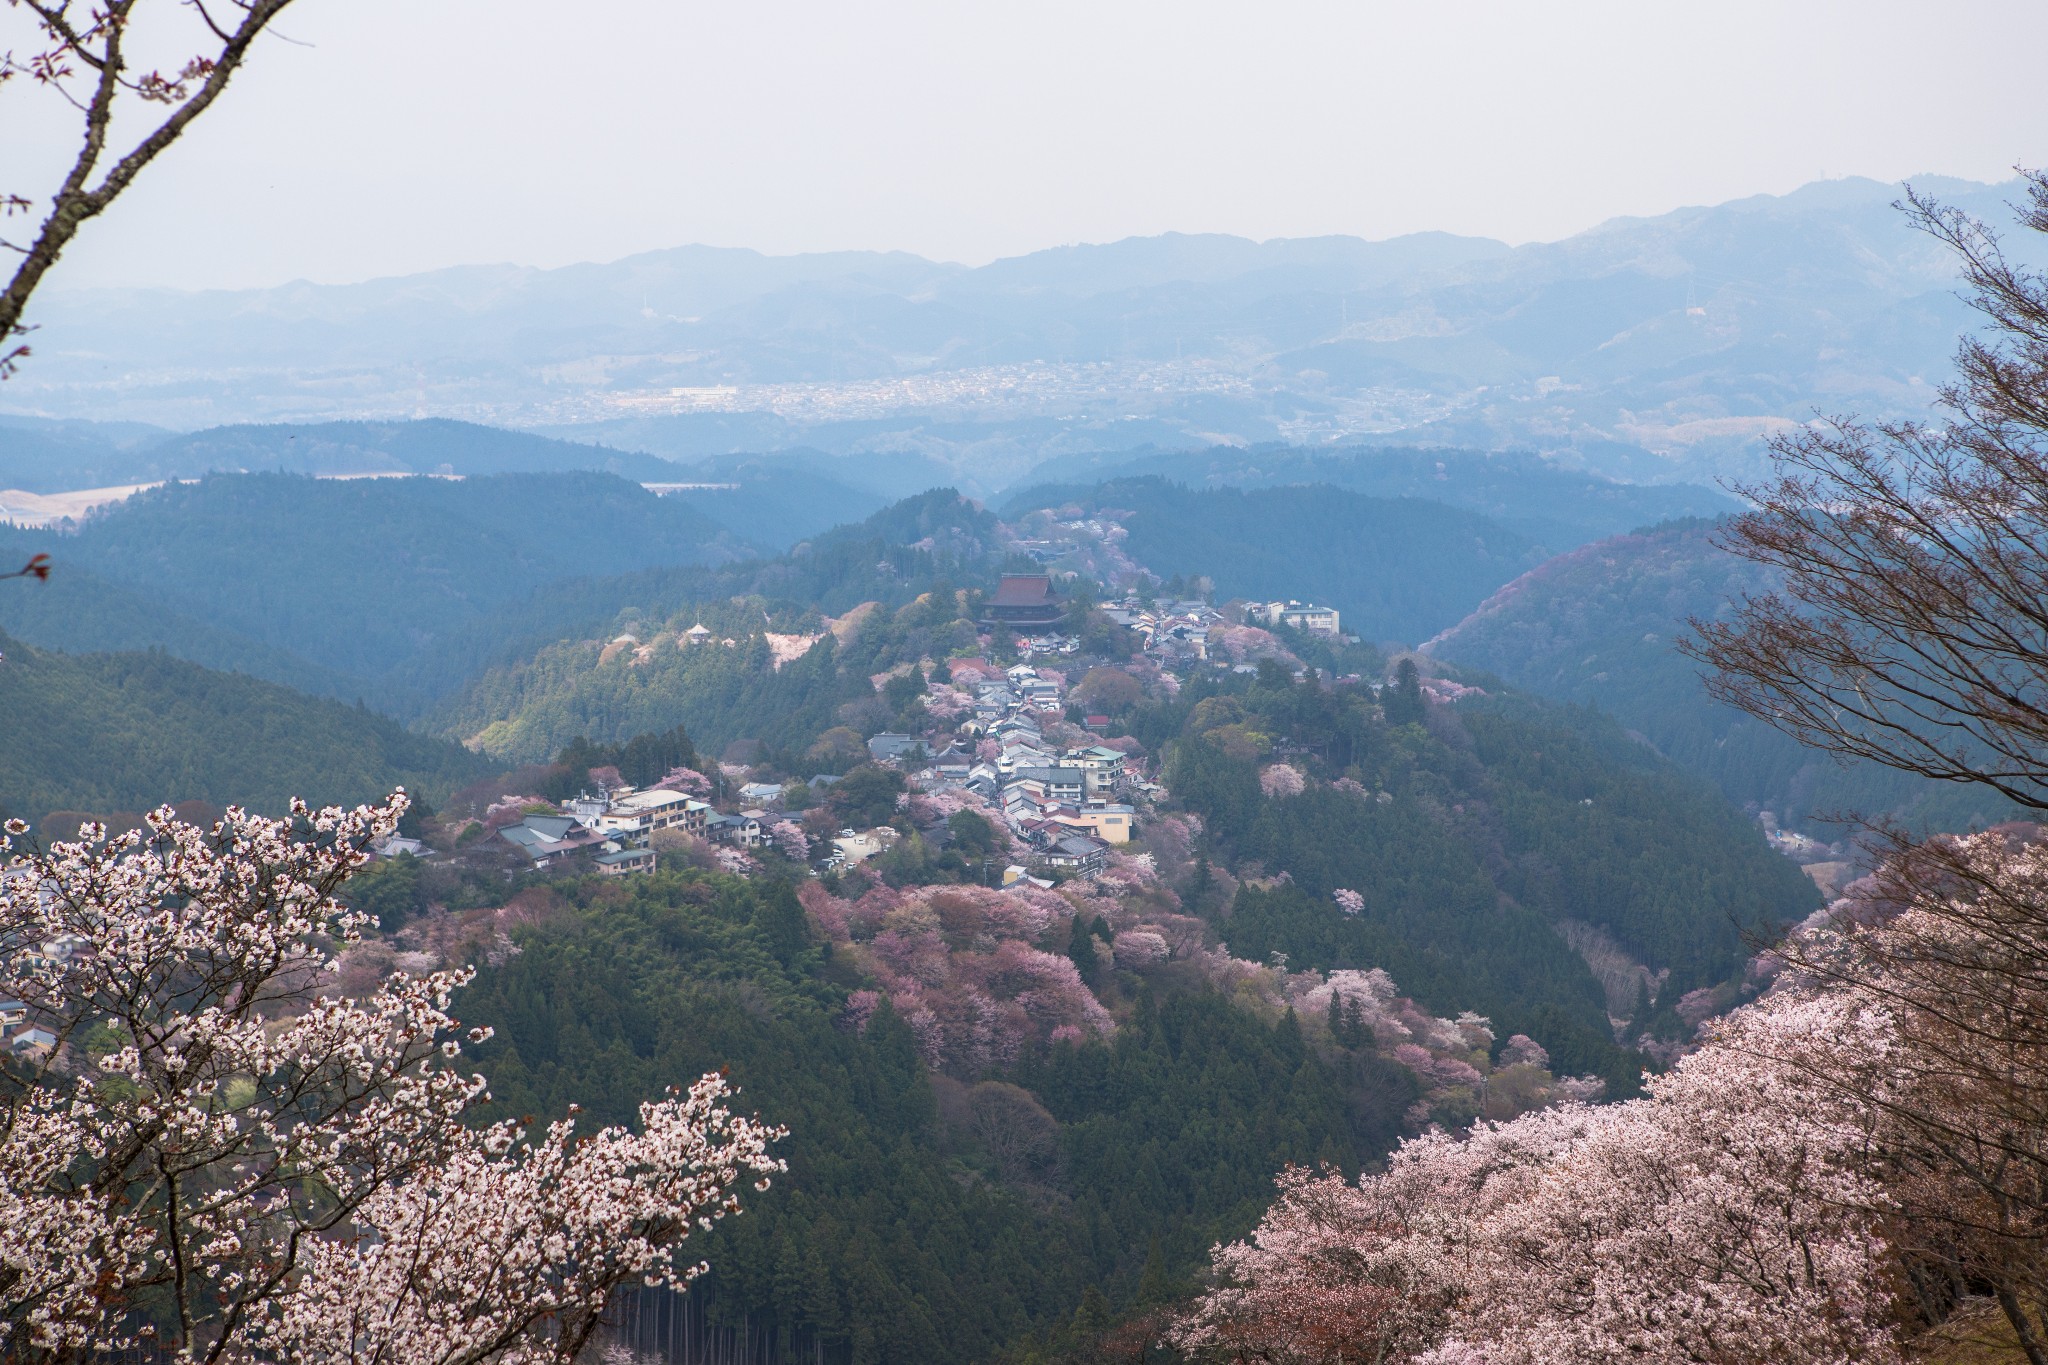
(845, 718)
(1011, 743)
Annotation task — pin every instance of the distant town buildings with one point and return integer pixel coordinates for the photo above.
(886, 746)
(1067, 806)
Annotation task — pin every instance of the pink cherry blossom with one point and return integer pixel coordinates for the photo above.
(1281, 780)
(273, 1168)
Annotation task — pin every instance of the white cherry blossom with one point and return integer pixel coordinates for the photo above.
(225, 1156)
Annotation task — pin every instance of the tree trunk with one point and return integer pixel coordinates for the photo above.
(2022, 1325)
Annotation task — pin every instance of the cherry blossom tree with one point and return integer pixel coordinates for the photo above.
(1729, 1216)
(1334, 1272)
(789, 836)
(1281, 779)
(1833, 1167)
(1725, 1218)
(222, 1154)
(1948, 942)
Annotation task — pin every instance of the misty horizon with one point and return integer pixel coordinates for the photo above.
(1938, 183)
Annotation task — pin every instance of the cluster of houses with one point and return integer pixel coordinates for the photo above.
(20, 1034)
(613, 830)
(1068, 806)
(1175, 633)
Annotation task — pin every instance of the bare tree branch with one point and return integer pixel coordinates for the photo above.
(1911, 627)
(96, 44)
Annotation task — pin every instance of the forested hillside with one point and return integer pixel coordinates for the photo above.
(925, 1218)
(79, 611)
(1399, 568)
(355, 576)
(105, 733)
(534, 690)
(1555, 507)
(971, 1176)
(1474, 838)
(1598, 627)
(40, 455)
(611, 691)
(774, 501)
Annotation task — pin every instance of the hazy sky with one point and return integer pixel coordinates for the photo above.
(400, 135)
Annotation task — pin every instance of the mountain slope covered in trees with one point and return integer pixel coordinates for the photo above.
(354, 576)
(1476, 837)
(924, 1218)
(1552, 506)
(126, 732)
(940, 1208)
(1398, 568)
(774, 501)
(1598, 627)
(543, 674)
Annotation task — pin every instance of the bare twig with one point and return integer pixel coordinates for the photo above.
(88, 43)
(1912, 625)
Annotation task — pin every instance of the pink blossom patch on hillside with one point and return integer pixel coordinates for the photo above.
(785, 649)
(1282, 779)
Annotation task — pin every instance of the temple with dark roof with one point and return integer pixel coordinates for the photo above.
(1026, 603)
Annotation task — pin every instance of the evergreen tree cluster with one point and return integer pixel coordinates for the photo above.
(111, 733)
(1472, 834)
(921, 1220)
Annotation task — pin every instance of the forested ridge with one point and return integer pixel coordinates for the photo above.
(354, 576)
(914, 561)
(1554, 507)
(47, 456)
(1398, 568)
(1600, 626)
(107, 733)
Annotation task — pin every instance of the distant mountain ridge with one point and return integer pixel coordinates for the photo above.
(47, 456)
(1555, 507)
(1649, 347)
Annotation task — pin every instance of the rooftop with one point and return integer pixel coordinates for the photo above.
(1024, 590)
(660, 798)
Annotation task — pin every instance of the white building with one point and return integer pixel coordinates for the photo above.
(1301, 616)
(632, 816)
